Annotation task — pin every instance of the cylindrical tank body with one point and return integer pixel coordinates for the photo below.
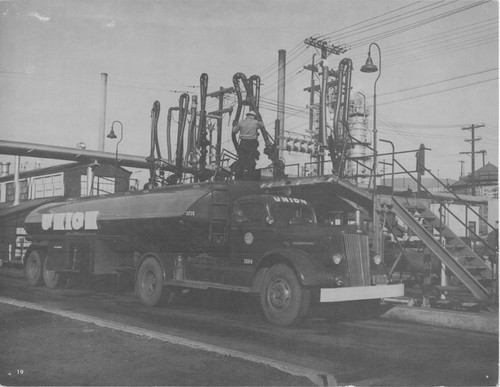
(167, 218)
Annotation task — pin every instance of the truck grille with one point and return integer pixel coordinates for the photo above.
(358, 259)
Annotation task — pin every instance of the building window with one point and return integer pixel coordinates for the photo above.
(10, 191)
(472, 228)
(101, 186)
(48, 186)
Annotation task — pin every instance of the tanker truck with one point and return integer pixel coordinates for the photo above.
(229, 235)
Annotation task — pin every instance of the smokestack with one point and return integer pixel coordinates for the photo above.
(102, 112)
(281, 97)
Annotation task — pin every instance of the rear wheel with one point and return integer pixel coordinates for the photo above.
(149, 283)
(34, 267)
(51, 279)
(283, 300)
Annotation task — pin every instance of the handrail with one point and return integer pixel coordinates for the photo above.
(433, 197)
(460, 199)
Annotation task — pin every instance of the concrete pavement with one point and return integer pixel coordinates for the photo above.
(483, 321)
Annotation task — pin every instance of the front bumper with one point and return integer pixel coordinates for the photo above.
(361, 293)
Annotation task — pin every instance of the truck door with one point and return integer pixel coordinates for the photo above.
(250, 237)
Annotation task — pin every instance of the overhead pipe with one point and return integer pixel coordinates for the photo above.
(15, 148)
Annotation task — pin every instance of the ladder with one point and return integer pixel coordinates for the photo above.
(219, 217)
(458, 257)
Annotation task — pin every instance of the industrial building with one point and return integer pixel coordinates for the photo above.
(44, 185)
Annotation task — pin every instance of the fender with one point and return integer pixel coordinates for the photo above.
(165, 260)
(42, 247)
(309, 272)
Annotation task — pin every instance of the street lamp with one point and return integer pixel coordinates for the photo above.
(112, 136)
(369, 67)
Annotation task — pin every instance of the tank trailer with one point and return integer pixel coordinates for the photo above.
(230, 235)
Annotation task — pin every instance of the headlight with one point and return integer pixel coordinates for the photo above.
(336, 258)
(377, 259)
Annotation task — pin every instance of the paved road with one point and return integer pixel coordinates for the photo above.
(352, 350)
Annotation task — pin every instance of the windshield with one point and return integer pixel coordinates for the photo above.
(292, 213)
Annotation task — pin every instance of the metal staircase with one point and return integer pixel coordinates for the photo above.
(458, 257)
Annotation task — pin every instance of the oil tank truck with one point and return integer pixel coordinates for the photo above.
(228, 235)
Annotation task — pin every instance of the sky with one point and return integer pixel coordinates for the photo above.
(439, 68)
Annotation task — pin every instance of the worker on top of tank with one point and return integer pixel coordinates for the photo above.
(248, 145)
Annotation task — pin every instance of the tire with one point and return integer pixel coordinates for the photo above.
(51, 279)
(33, 269)
(149, 283)
(283, 300)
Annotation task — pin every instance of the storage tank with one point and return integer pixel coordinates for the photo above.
(358, 127)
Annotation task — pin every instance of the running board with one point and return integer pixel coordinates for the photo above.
(207, 285)
(440, 252)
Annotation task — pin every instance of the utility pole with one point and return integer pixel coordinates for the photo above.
(473, 152)
(325, 49)
(218, 115)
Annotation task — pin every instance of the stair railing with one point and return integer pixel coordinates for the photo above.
(447, 209)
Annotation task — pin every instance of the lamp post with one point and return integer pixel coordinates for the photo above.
(112, 136)
(369, 67)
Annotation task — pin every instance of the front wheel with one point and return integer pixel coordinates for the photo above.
(283, 300)
(34, 267)
(149, 283)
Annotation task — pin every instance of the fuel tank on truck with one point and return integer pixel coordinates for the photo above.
(169, 215)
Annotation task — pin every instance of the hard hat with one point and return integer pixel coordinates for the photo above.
(251, 113)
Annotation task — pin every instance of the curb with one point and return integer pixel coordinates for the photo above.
(478, 322)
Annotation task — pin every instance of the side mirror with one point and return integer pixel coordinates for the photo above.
(270, 220)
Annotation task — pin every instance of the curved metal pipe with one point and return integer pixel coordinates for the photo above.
(183, 108)
(322, 117)
(203, 142)
(239, 107)
(191, 156)
(255, 83)
(155, 114)
(169, 141)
